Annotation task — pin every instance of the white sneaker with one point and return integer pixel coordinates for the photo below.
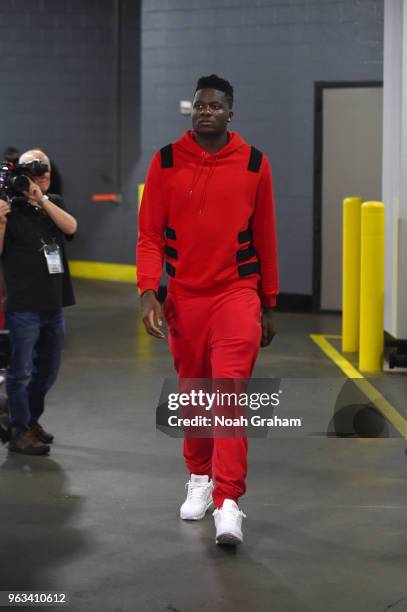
(199, 498)
(228, 523)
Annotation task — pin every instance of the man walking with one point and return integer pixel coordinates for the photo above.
(208, 207)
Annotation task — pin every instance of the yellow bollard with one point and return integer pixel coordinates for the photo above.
(371, 342)
(351, 274)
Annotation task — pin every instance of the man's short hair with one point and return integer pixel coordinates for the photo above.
(213, 81)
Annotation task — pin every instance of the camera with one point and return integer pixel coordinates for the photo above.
(13, 178)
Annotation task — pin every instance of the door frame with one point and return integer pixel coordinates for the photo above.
(319, 87)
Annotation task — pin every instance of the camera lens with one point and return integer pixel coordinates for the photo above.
(20, 183)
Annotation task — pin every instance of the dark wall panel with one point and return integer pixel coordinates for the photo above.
(70, 75)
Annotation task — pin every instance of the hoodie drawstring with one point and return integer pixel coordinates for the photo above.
(196, 178)
(197, 174)
(203, 197)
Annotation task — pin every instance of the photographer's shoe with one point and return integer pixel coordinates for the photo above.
(41, 434)
(228, 523)
(199, 498)
(27, 443)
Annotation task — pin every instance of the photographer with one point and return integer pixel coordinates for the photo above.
(37, 286)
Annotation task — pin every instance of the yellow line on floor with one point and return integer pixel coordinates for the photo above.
(384, 406)
(331, 352)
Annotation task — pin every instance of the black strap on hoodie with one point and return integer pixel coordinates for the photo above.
(255, 160)
(167, 158)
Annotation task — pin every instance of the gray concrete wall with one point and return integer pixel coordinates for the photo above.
(69, 75)
(60, 89)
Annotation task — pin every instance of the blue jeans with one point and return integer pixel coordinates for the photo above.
(36, 342)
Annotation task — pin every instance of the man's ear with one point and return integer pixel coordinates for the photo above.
(230, 115)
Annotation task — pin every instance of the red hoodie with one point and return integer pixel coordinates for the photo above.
(213, 220)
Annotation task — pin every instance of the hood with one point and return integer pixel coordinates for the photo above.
(189, 145)
(190, 149)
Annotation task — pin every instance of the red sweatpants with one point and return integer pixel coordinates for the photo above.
(216, 337)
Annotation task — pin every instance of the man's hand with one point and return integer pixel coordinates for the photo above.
(267, 327)
(152, 314)
(4, 211)
(34, 194)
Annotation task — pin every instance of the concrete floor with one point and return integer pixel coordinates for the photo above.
(326, 516)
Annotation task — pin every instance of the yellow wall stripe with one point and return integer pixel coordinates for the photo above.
(140, 192)
(98, 270)
(388, 411)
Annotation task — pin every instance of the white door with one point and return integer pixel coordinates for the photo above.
(351, 166)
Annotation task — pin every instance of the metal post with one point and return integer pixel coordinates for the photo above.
(372, 287)
(351, 274)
